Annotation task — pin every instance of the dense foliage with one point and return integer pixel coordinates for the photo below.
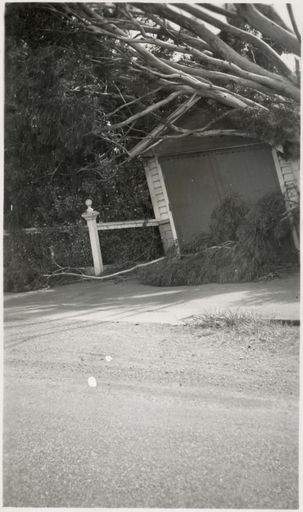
(29, 258)
(226, 219)
(60, 87)
(245, 248)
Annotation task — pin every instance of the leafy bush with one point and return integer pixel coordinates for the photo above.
(130, 245)
(226, 218)
(224, 223)
(197, 244)
(214, 264)
(262, 242)
(21, 276)
(28, 256)
(264, 238)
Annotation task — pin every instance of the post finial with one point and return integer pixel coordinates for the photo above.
(89, 203)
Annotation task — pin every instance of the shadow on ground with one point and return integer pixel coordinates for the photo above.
(131, 301)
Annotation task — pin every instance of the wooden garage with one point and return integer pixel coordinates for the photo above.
(189, 176)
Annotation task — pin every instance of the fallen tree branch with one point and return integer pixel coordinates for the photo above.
(265, 48)
(293, 22)
(149, 109)
(220, 10)
(156, 132)
(202, 133)
(216, 44)
(110, 276)
(269, 90)
(269, 28)
(185, 131)
(136, 100)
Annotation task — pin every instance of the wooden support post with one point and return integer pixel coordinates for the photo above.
(295, 235)
(91, 218)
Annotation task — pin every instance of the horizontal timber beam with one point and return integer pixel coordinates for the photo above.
(103, 226)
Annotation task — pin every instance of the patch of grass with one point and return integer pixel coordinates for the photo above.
(247, 329)
(227, 319)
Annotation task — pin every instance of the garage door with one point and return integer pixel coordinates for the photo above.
(196, 183)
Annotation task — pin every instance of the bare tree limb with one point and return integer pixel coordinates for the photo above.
(136, 100)
(269, 11)
(293, 21)
(202, 133)
(177, 34)
(109, 276)
(206, 89)
(244, 35)
(222, 76)
(202, 65)
(269, 28)
(148, 110)
(186, 132)
(210, 133)
(225, 64)
(156, 132)
(290, 92)
(207, 35)
(220, 10)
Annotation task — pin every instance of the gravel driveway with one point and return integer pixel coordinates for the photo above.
(181, 416)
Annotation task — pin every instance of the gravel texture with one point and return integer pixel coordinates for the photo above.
(181, 416)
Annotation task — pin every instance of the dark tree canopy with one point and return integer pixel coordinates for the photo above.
(89, 87)
(60, 86)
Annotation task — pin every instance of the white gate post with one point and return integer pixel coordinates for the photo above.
(91, 218)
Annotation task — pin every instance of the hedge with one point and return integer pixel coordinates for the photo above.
(27, 257)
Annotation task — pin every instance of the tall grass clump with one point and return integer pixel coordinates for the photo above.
(228, 319)
(248, 329)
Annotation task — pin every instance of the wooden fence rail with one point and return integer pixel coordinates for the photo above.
(93, 227)
(101, 226)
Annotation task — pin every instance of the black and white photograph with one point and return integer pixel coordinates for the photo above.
(151, 266)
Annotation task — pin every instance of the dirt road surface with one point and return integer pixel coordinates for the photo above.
(180, 417)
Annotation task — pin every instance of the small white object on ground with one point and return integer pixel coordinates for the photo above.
(108, 358)
(92, 382)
